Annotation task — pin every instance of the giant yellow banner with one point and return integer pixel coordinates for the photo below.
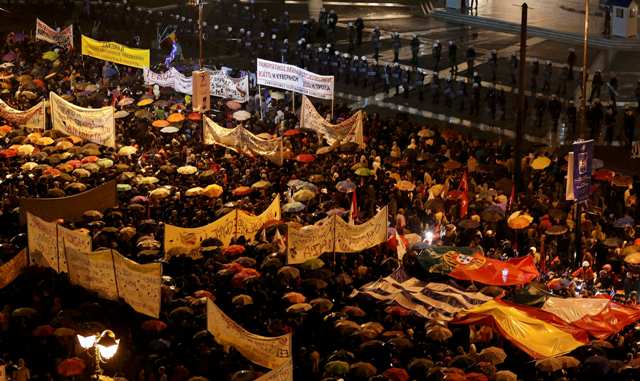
(248, 224)
(114, 52)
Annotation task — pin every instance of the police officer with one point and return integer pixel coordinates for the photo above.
(322, 24)
(435, 89)
(372, 75)
(359, 28)
(406, 78)
(564, 79)
(386, 77)
(304, 31)
(436, 52)
(596, 85)
(345, 63)
(513, 65)
(273, 48)
(396, 44)
(415, 50)
(284, 24)
(332, 22)
(613, 88)
(571, 61)
(326, 60)
(535, 70)
(335, 65)
(375, 41)
(476, 93)
(317, 60)
(261, 44)
(396, 76)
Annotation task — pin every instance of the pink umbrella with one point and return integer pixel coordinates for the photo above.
(9, 57)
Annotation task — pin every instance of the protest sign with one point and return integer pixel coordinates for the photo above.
(248, 225)
(43, 242)
(311, 241)
(269, 352)
(582, 169)
(114, 52)
(33, 118)
(282, 373)
(93, 271)
(186, 241)
(355, 238)
(349, 130)
(63, 38)
(9, 271)
(95, 125)
(293, 78)
(78, 239)
(139, 285)
(221, 85)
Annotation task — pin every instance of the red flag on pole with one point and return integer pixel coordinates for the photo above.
(464, 199)
(353, 213)
(512, 197)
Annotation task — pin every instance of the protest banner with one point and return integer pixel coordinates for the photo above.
(114, 52)
(63, 38)
(139, 285)
(582, 169)
(9, 271)
(33, 118)
(95, 125)
(311, 241)
(269, 352)
(355, 238)
(78, 239)
(93, 271)
(248, 225)
(71, 207)
(282, 373)
(186, 241)
(293, 78)
(242, 141)
(222, 85)
(42, 242)
(349, 130)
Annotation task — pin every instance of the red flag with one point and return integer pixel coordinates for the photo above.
(464, 199)
(516, 271)
(512, 197)
(353, 215)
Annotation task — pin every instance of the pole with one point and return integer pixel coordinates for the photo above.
(521, 99)
(260, 99)
(331, 109)
(200, 34)
(293, 102)
(578, 219)
(585, 74)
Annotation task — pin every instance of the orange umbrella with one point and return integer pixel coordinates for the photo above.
(43, 331)
(292, 132)
(233, 250)
(175, 118)
(160, 123)
(71, 367)
(519, 220)
(194, 117)
(241, 191)
(451, 165)
(305, 158)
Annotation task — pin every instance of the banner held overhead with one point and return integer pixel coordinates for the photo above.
(293, 78)
(114, 52)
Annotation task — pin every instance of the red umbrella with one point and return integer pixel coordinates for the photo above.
(89, 159)
(8, 153)
(74, 163)
(43, 331)
(396, 374)
(71, 367)
(194, 117)
(233, 250)
(604, 175)
(243, 275)
(292, 132)
(241, 191)
(305, 158)
(154, 325)
(397, 311)
(204, 294)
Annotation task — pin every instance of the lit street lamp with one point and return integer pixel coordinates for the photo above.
(105, 346)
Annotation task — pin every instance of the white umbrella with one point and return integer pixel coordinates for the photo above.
(241, 115)
(277, 96)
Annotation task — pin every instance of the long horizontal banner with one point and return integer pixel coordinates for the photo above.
(95, 125)
(99, 198)
(114, 52)
(222, 85)
(349, 130)
(63, 38)
(242, 141)
(186, 241)
(293, 78)
(9, 271)
(269, 352)
(33, 118)
(333, 234)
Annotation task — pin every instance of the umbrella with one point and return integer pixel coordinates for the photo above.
(161, 123)
(492, 214)
(262, 184)
(293, 207)
(406, 186)
(127, 151)
(322, 305)
(299, 308)
(305, 158)
(64, 332)
(71, 367)
(312, 264)
(469, 224)
(212, 191)
(493, 355)
(396, 374)
(159, 193)
(337, 368)
(439, 333)
(506, 375)
(242, 300)
(143, 114)
(554, 364)
(345, 186)
(154, 325)
(126, 101)
(354, 311)
(556, 230)
(204, 294)
(241, 191)
(169, 130)
(425, 133)
(292, 132)
(633, 259)
(604, 175)
(78, 187)
(175, 118)
(145, 102)
(540, 162)
(303, 195)
(288, 273)
(613, 242)
(50, 56)
(519, 220)
(397, 311)
(622, 181)
(362, 370)
(363, 172)
(121, 114)
(294, 297)
(241, 115)
(43, 331)
(24, 312)
(187, 170)
(452, 165)
(623, 222)
(194, 117)
(234, 250)
(233, 105)
(277, 95)
(323, 150)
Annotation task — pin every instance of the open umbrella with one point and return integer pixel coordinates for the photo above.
(469, 224)
(292, 132)
(303, 195)
(127, 151)
(43, 331)
(71, 367)
(288, 273)
(322, 305)
(175, 118)
(160, 123)
(293, 207)
(233, 105)
(540, 163)
(242, 300)
(262, 184)
(396, 374)
(336, 368)
(622, 181)
(169, 130)
(519, 220)
(425, 133)
(187, 170)
(452, 165)
(294, 297)
(363, 172)
(241, 115)
(241, 191)
(439, 333)
(145, 102)
(305, 158)
(556, 230)
(604, 175)
(212, 191)
(345, 186)
(362, 370)
(493, 355)
(154, 325)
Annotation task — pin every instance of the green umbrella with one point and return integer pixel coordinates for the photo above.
(364, 172)
(312, 264)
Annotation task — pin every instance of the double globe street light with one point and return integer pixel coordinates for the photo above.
(105, 346)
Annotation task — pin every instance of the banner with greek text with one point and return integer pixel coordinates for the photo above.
(78, 239)
(95, 125)
(282, 373)
(242, 141)
(349, 130)
(114, 52)
(222, 85)
(293, 78)
(63, 38)
(93, 271)
(9, 271)
(355, 238)
(139, 285)
(249, 224)
(186, 241)
(33, 118)
(43, 242)
(269, 352)
(310, 241)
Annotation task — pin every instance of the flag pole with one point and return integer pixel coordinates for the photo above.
(260, 99)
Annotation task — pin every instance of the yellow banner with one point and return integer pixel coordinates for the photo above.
(114, 52)
(349, 130)
(139, 285)
(12, 269)
(269, 352)
(355, 238)
(78, 239)
(310, 241)
(282, 373)
(186, 241)
(93, 271)
(249, 224)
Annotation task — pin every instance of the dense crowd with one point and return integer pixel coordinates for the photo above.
(432, 157)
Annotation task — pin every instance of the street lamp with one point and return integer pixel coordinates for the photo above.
(105, 346)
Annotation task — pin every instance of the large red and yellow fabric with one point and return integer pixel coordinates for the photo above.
(600, 317)
(539, 333)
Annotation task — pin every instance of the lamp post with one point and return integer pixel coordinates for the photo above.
(105, 345)
(585, 74)
(200, 4)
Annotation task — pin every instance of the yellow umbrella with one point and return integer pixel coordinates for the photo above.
(212, 191)
(64, 145)
(145, 102)
(147, 180)
(175, 118)
(406, 186)
(25, 150)
(395, 176)
(32, 137)
(159, 193)
(303, 195)
(127, 151)
(540, 162)
(50, 55)
(425, 133)
(436, 189)
(104, 163)
(261, 184)
(192, 192)
(187, 170)
(519, 220)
